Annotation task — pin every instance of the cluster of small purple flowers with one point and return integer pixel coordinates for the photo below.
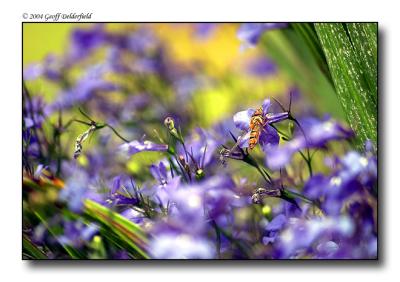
(208, 194)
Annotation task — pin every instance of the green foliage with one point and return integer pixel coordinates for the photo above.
(30, 250)
(118, 229)
(351, 54)
(298, 54)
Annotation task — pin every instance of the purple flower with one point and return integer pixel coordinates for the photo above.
(135, 147)
(273, 228)
(35, 112)
(354, 173)
(50, 68)
(268, 136)
(318, 133)
(77, 233)
(84, 41)
(300, 235)
(134, 216)
(204, 30)
(202, 145)
(250, 33)
(195, 204)
(166, 184)
(181, 246)
(79, 187)
(261, 67)
(141, 42)
(75, 190)
(85, 88)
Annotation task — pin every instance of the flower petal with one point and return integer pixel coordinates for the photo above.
(273, 118)
(265, 106)
(242, 119)
(243, 141)
(269, 136)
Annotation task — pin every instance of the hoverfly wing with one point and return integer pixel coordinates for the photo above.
(80, 139)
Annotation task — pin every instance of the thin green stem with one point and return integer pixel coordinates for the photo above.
(116, 133)
(308, 161)
(251, 161)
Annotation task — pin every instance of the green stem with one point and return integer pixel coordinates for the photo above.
(116, 133)
(251, 161)
(308, 161)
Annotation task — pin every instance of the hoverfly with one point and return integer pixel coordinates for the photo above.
(81, 138)
(257, 123)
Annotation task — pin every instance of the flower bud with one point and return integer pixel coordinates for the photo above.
(169, 123)
(199, 174)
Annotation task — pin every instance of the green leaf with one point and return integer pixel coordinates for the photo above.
(352, 61)
(364, 40)
(307, 32)
(31, 250)
(127, 232)
(296, 53)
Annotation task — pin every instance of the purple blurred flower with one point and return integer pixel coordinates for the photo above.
(79, 186)
(134, 216)
(354, 173)
(35, 112)
(141, 42)
(261, 67)
(84, 89)
(182, 246)
(135, 147)
(84, 41)
(51, 68)
(268, 136)
(300, 235)
(202, 145)
(166, 184)
(195, 204)
(76, 233)
(204, 30)
(75, 190)
(250, 33)
(273, 228)
(318, 133)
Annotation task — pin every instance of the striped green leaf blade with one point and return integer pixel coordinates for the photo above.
(124, 231)
(350, 50)
(31, 250)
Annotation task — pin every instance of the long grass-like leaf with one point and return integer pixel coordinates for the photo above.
(31, 250)
(127, 231)
(352, 64)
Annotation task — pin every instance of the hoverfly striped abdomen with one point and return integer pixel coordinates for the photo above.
(80, 139)
(257, 122)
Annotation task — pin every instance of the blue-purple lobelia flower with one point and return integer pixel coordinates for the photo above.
(35, 112)
(122, 192)
(76, 233)
(50, 68)
(201, 144)
(273, 229)
(181, 246)
(250, 33)
(166, 184)
(141, 42)
(261, 67)
(354, 175)
(317, 133)
(84, 41)
(79, 187)
(301, 236)
(85, 88)
(268, 135)
(136, 146)
(204, 30)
